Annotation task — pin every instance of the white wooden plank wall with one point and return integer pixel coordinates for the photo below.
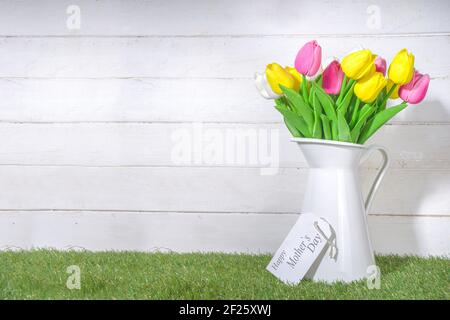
(91, 117)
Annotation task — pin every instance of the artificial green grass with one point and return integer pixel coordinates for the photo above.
(42, 274)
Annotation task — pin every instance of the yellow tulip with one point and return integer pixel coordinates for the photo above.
(358, 64)
(368, 88)
(297, 76)
(401, 69)
(276, 75)
(394, 94)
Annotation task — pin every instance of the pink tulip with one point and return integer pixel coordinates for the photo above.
(380, 65)
(332, 78)
(309, 59)
(415, 90)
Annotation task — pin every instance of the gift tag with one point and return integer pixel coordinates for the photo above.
(308, 238)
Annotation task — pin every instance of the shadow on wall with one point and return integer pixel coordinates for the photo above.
(415, 188)
(426, 113)
(433, 106)
(424, 183)
(410, 230)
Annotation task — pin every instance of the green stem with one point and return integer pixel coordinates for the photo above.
(304, 89)
(383, 103)
(341, 93)
(349, 85)
(355, 113)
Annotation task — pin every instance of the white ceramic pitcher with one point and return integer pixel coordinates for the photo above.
(334, 193)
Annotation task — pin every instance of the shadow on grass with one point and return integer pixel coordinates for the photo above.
(390, 264)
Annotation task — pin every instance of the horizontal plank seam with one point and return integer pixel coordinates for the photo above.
(393, 123)
(135, 78)
(243, 35)
(403, 167)
(143, 78)
(55, 211)
(162, 166)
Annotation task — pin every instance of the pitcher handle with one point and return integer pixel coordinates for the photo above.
(380, 174)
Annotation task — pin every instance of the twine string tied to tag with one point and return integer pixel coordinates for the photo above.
(331, 241)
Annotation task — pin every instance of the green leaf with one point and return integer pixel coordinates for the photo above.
(317, 129)
(380, 119)
(386, 97)
(281, 102)
(326, 127)
(326, 102)
(364, 110)
(343, 129)
(317, 107)
(364, 115)
(343, 106)
(350, 109)
(319, 80)
(292, 129)
(334, 130)
(350, 84)
(295, 121)
(300, 106)
(379, 100)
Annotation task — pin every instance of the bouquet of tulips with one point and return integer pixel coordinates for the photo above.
(346, 101)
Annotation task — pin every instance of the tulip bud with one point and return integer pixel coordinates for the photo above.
(401, 69)
(380, 65)
(276, 75)
(358, 64)
(268, 84)
(368, 88)
(263, 86)
(415, 91)
(332, 78)
(309, 59)
(297, 77)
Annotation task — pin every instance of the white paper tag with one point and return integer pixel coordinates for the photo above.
(305, 242)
